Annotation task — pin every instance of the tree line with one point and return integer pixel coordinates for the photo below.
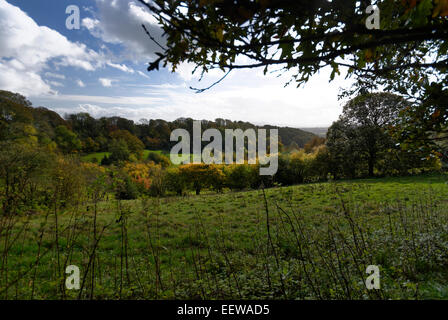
(40, 161)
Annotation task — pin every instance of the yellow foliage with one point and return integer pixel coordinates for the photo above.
(441, 8)
(302, 155)
(93, 167)
(142, 173)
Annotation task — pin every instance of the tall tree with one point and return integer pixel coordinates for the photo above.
(67, 140)
(133, 143)
(364, 124)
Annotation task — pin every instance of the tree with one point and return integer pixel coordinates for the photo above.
(22, 169)
(84, 125)
(239, 176)
(159, 159)
(319, 167)
(174, 180)
(68, 181)
(152, 143)
(343, 158)
(313, 144)
(133, 143)
(424, 126)
(293, 168)
(16, 119)
(369, 116)
(125, 187)
(201, 176)
(119, 151)
(89, 145)
(362, 136)
(67, 140)
(408, 54)
(213, 34)
(15, 98)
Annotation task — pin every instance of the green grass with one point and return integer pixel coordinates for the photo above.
(217, 246)
(147, 152)
(95, 157)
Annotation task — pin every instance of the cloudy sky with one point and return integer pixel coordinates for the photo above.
(101, 69)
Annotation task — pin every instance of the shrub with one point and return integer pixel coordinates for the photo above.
(125, 187)
(174, 181)
(106, 161)
(119, 151)
(159, 159)
(239, 176)
(67, 181)
(200, 176)
(24, 173)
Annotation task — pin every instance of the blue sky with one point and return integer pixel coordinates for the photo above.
(101, 69)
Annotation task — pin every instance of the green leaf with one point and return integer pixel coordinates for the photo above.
(287, 47)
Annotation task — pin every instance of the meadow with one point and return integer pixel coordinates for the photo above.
(311, 241)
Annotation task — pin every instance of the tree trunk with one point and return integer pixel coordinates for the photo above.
(371, 165)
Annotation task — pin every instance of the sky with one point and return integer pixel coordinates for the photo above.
(101, 68)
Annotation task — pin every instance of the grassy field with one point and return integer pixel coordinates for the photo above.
(95, 157)
(301, 242)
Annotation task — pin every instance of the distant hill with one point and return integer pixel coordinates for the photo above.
(95, 134)
(319, 131)
(293, 136)
(18, 117)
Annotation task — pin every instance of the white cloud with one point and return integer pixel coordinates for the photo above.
(120, 22)
(54, 75)
(185, 71)
(26, 49)
(142, 74)
(126, 102)
(91, 25)
(80, 83)
(106, 82)
(246, 97)
(121, 67)
(22, 81)
(98, 112)
(55, 83)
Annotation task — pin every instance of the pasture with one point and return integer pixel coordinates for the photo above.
(309, 241)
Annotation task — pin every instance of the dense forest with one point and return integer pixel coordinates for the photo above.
(85, 134)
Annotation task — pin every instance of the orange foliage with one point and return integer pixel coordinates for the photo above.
(141, 173)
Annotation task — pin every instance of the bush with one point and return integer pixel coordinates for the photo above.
(148, 176)
(106, 161)
(119, 151)
(67, 180)
(126, 188)
(200, 176)
(174, 181)
(25, 176)
(240, 176)
(159, 159)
